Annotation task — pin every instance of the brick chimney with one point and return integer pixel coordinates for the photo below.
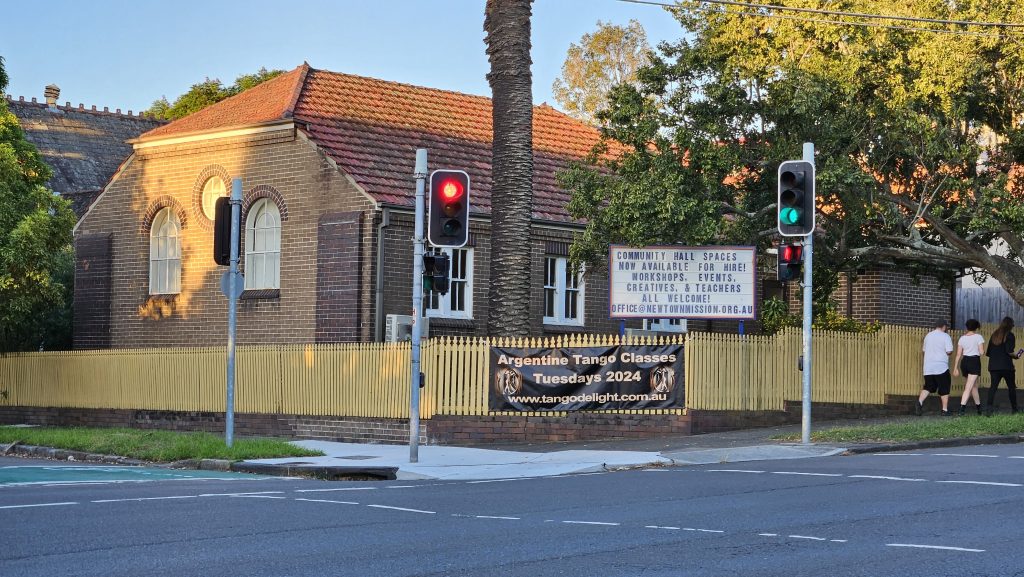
(52, 93)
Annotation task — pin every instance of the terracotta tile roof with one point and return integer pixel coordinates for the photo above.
(271, 100)
(372, 129)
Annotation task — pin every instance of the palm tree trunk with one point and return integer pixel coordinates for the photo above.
(507, 25)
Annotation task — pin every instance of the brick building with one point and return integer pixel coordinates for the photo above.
(326, 162)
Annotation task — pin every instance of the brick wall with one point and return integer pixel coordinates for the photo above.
(282, 165)
(339, 276)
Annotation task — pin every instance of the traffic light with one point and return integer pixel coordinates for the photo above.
(448, 214)
(796, 198)
(222, 232)
(791, 262)
(436, 268)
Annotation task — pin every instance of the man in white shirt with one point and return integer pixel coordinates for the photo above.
(937, 348)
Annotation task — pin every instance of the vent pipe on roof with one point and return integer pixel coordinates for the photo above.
(52, 93)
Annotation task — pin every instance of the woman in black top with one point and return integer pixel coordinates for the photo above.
(1001, 355)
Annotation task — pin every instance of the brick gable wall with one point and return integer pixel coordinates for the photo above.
(278, 164)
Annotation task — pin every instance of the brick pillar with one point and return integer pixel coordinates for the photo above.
(93, 261)
(338, 274)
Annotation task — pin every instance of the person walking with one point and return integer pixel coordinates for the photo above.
(968, 361)
(938, 346)
(1001, 355)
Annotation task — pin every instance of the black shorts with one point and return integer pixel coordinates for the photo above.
(937, 383)
(970, 365)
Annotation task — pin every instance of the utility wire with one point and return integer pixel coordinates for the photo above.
(837, 13)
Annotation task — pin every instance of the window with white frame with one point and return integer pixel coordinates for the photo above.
(458, 302)
(563, 292)
(669, 325)
(263, 246)
(165, 253)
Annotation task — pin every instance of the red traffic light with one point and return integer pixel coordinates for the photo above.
(451, 189)
(791, 253)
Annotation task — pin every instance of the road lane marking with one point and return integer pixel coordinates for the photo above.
(992, 483)
(808, 537)
(884, 478)
(733, 471)
(241, 494)
(768, 534)
(838, 540)
(710, 531)
(807, 474)
(38, 505)
(257, 497)
(935, 547)
(660, 527)
(402, 487)
(591, 523)
(403, 509)
(494, 481)
(326, 501)
(899, 454)
(144, 499)
(963, 455)
(497, 517)
(329, 490)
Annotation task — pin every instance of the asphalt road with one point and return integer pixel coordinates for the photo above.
(932, 513)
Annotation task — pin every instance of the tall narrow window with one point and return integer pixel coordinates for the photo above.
(263, 246)
(563, 293)
(458, 303)
(165, 254)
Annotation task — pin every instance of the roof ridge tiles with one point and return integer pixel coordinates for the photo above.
(67, 107)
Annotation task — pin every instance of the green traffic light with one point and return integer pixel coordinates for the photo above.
(790, 215)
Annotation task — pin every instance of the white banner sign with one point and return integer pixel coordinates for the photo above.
(682, 282)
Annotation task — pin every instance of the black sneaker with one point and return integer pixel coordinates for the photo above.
(962, 411)
(918, 409)
(947, 414)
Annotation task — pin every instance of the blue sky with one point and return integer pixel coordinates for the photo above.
(126, 54)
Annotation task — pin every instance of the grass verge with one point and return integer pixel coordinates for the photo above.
(920, 430)
(151, 445)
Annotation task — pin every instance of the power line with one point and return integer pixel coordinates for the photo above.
(837, 13)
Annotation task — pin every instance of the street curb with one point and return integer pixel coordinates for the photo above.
(323, 472)
(277, 470)
(67, 455)
(933, 444)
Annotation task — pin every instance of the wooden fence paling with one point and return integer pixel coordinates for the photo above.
(722, 372)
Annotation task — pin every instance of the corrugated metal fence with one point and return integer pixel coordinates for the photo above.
(723, 372)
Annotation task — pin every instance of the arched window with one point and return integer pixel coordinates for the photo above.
(212, 190)
(263, 246)
(165, 253)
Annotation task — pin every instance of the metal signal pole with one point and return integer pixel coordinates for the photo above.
(420, 173)
(808, 156)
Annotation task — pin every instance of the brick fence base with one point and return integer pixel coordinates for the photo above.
(464, 430)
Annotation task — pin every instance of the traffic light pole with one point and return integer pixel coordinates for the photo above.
(236, 225)
(420, 173)
(808, 156)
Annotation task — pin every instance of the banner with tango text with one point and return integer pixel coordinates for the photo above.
(586, 378)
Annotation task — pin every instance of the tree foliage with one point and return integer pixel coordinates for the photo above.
(206, 93)
(36, 267)
(919, 136)
(608, 56)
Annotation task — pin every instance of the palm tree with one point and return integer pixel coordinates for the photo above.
(507, 27)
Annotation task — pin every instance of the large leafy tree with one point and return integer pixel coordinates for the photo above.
(507, 27)
(206, 93)
(610, 55)
(919, 135)
(36, 271)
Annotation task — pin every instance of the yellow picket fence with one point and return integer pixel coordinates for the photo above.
(723, 372)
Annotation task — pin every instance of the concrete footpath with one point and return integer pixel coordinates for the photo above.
(343, 460)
